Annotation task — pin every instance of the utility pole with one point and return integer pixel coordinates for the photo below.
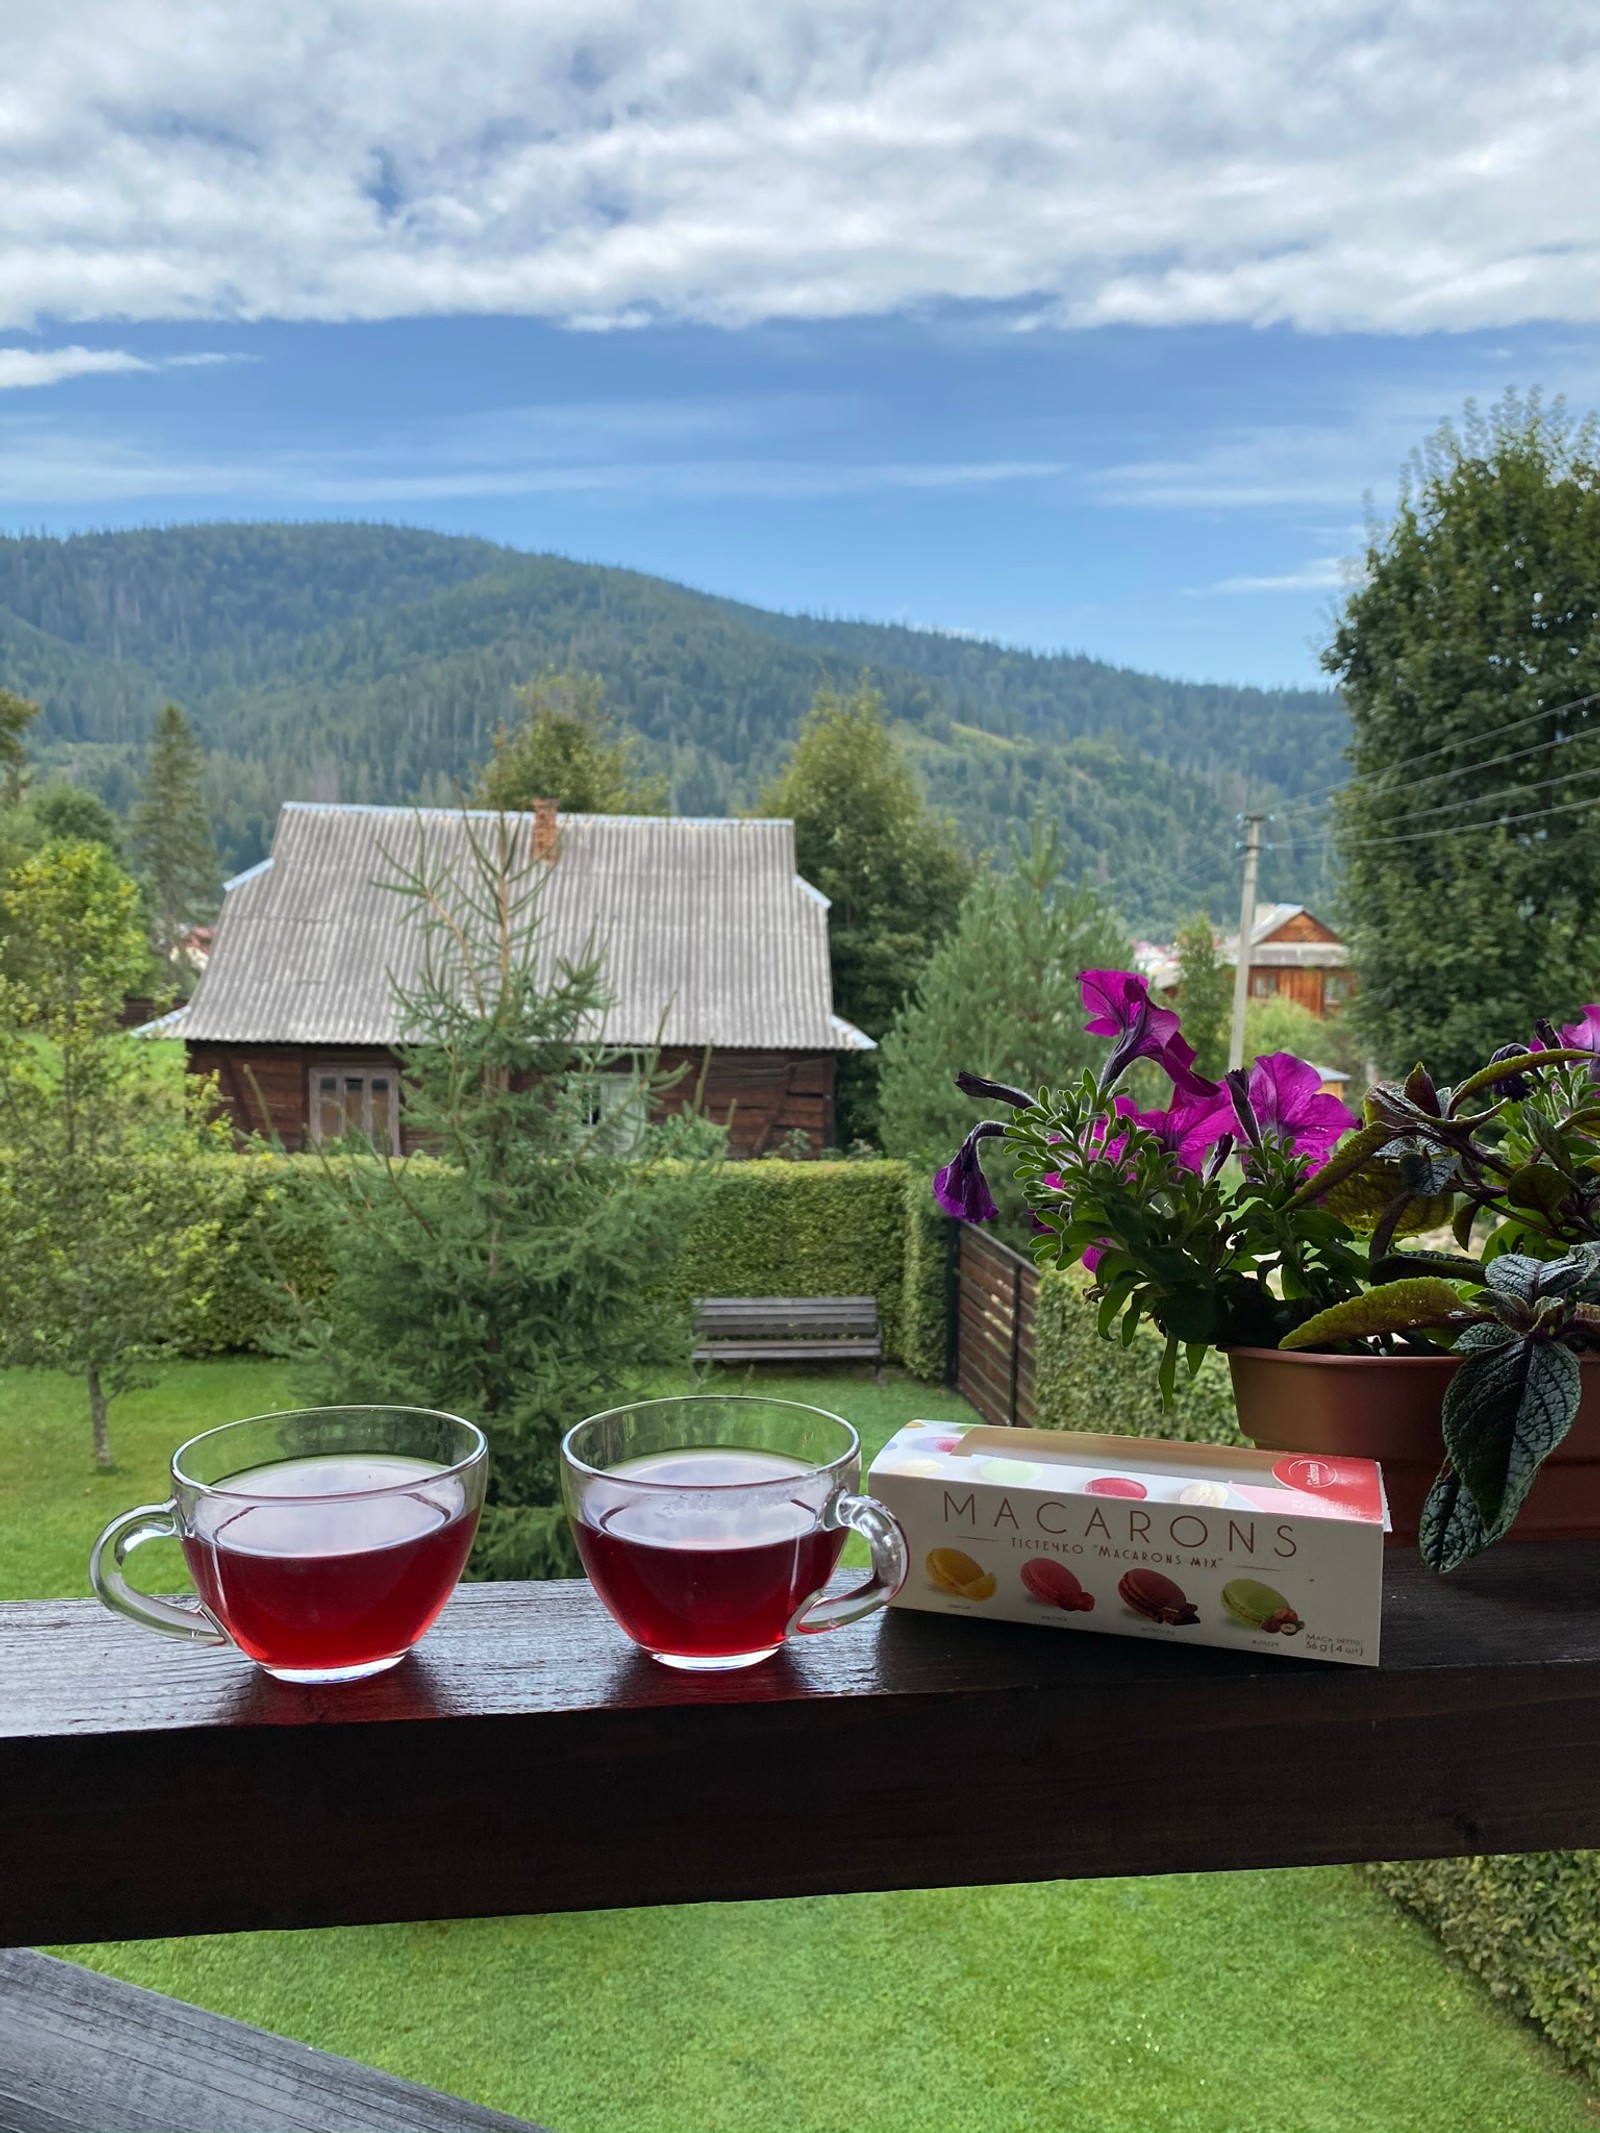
(1247, 926)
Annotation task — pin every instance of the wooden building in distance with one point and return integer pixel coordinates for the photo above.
(715, 949)
(1293, 954)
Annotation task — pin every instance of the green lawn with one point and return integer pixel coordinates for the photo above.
(1232, 2003)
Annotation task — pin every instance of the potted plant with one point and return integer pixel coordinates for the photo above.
(1260, 1216)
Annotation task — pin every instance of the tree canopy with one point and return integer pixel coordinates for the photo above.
(894, 873)
(999, 997)
(566, 750)
(1467, 655)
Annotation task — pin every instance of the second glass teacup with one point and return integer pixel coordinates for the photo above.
(709, 1524)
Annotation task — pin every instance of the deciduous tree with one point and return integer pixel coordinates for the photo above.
(894, 872)
(104, 1238)
(565, 749)
(1469, 830)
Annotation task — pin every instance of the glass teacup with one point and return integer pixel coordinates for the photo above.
(710, 1524)
(323, 1543)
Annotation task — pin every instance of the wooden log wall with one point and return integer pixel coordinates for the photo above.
(996, 1297)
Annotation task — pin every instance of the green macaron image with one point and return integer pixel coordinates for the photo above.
(1256, 1606)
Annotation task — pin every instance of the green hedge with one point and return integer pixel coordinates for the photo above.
(769, 1229)
(1530, 1928)
(1084, 1382)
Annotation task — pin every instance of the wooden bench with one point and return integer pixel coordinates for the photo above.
(787, 1329)
(82, 2053)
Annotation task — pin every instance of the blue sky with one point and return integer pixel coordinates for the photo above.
(1042, 321)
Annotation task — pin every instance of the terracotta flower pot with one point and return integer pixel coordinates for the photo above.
(1386, 1408)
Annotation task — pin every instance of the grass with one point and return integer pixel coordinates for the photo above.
(1294, 2002)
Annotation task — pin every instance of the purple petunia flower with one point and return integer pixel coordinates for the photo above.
(961, 1188)
(1584, 1036)
(1282, 1099)
(1188, 1128)
(1120, 1007)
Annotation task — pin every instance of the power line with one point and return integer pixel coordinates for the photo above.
(1460, 829)
(1581, 703)
(1486, 799)
(1462, 770)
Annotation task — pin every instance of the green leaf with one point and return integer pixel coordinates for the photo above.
(1397, 1307)
(1507, 1409)
(1450, 1531)
(1539, 1186)
(1507, 1070)
(1352, 1152)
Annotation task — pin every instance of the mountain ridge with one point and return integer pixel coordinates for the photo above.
(373, 662)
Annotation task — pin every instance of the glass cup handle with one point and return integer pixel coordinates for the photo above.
(881, 1531)
(174, 1618)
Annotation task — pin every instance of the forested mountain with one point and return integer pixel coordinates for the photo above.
(374, 662)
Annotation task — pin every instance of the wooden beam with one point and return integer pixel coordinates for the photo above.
(79, 2051)
(528, 1759)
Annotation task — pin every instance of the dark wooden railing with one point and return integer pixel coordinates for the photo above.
(991, 1344)
(527, 1759)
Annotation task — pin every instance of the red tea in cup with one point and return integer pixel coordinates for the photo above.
(709, 1525)
(323, 1543)
(309, 1570)
(700, 1569)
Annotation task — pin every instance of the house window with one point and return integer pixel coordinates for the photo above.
(354, 1102)
(614, 1106)
(1263, 984)
(1335, 988)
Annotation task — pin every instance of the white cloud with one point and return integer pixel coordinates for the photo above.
(1397, 165)
(1323, 573)
(48, 366)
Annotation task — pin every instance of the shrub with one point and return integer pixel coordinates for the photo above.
(1084, 1382)
(1529, 1926)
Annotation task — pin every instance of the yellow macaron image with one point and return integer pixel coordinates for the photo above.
(949, 1570)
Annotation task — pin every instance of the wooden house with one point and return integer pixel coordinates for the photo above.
(715, 949)
(1295, 955)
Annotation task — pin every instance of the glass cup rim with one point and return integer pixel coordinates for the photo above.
(725, 1399)
(479, 1451)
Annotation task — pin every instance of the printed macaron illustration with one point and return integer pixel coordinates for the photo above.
(1149, 1594)
(1255, 1606)
(950, 1570)
(1114, 1485)
(1046, 1580)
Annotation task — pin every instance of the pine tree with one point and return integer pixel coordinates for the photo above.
(999, 997)
(171, 838)
(565, 750)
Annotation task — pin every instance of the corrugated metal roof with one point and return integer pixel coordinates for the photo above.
(710, 936)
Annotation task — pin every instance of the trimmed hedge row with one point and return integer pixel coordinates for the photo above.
(1529, 1926)
(769, 1229)
(1084, 1382)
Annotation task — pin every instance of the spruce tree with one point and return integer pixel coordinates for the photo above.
(17, 714)
(520, 1272)
(1205, 994)
(171, 838)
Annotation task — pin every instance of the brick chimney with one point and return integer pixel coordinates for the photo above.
(546, 831)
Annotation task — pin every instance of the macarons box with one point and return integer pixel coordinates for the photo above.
(1260, 1551)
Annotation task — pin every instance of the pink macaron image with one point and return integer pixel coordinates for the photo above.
(1114, 1485)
